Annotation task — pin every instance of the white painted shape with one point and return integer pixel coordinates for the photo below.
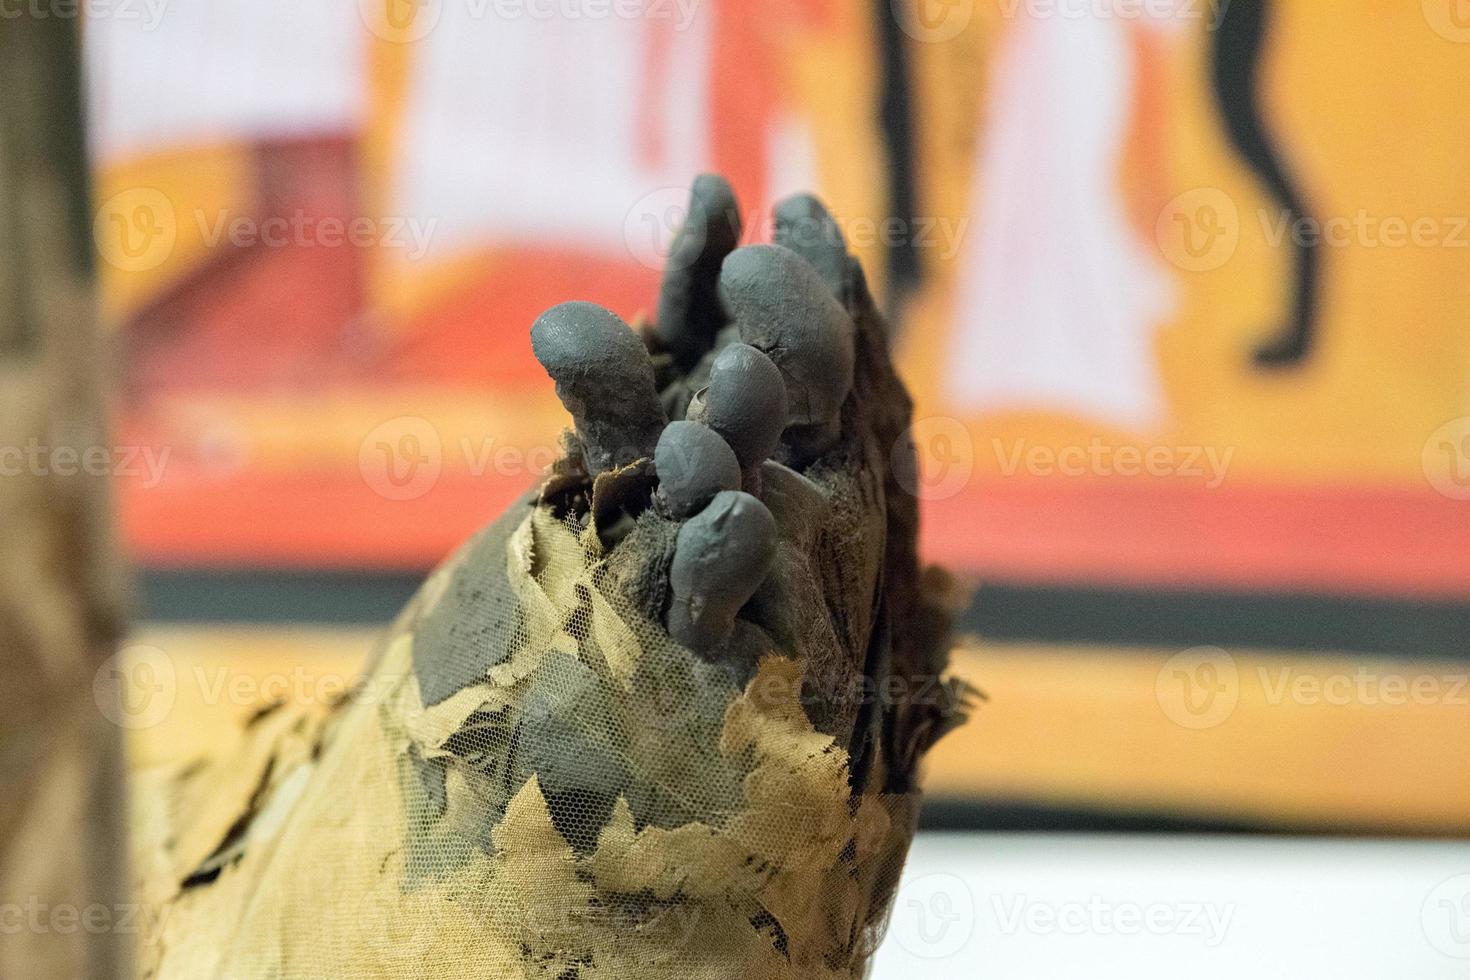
(791, 158)
(196, 71)
(1058, 299)
(526, 130)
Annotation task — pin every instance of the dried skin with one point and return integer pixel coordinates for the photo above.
(616, 737)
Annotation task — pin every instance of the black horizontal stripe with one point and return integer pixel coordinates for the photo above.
(1000, 611)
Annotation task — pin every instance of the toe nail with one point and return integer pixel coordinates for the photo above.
(799, 506)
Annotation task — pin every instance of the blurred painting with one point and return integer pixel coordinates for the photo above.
(325, 236)
(1175, 320)
(1202, 332)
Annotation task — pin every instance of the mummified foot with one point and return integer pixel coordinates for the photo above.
(662, 718)
(739, 463)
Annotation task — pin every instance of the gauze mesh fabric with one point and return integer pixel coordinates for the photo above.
(532, 779)
(383, 838)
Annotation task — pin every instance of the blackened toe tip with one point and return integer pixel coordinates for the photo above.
(722, 556)
(782, 307)
(604, 377)
(804, 225)
(745, 402)
(571, 335)
(694, 464)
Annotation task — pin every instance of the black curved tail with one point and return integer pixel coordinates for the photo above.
(1237, 43)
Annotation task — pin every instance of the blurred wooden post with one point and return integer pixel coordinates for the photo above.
(62, 899)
